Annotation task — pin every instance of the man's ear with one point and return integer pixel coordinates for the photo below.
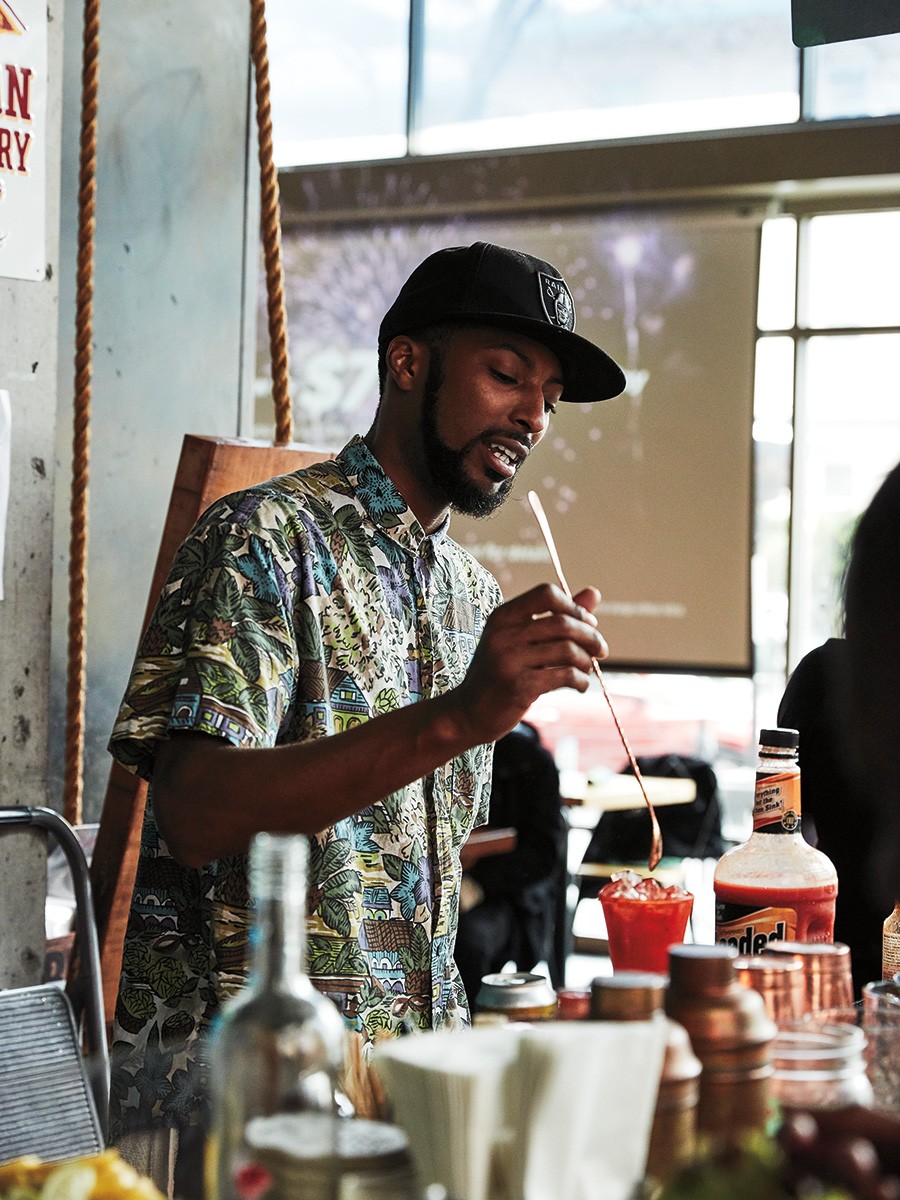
(405, 359)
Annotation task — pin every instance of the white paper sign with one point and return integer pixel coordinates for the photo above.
(23, 138)
(5, 460)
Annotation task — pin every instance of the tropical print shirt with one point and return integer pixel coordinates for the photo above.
(295, 610)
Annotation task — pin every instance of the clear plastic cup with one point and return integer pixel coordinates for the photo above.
(643, 919)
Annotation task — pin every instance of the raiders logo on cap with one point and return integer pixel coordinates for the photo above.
(557, 301)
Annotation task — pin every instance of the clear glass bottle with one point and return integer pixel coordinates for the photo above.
(775, 886)
(278, 1046)
(890, 944)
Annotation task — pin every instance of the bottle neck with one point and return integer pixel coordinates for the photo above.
(278, 944)
(776, 803)
(278, 887)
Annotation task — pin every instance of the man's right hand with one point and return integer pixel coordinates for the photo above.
(533, 644)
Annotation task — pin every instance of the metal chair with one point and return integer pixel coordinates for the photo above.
(54, 1093)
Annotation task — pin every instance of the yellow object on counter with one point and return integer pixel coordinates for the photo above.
(104, 1176)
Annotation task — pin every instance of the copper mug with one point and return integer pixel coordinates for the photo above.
(781, 982)
(826, 971)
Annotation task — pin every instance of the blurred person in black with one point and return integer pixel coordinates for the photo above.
(509, 902)
(844, 698)
(857, 1148)
(872, 630)
(839, 814)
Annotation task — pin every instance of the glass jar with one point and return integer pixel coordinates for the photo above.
(890, 944)
(820, 1066)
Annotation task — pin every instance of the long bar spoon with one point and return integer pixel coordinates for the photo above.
(544, 525)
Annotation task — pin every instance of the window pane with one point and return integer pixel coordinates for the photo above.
(339, 78)
(773, 390)
(854, 264)
(777, 273)
(504, 74)
(850, 406)
(856, 79)
(773, 402)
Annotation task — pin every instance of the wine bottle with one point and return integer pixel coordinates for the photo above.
(277, 1047)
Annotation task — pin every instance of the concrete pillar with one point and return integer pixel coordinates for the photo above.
(175, 303)
(28, 371)
(175, 300)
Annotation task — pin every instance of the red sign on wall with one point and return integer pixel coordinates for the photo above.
(23, 136)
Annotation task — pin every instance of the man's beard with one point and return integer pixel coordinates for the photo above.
(447, 467)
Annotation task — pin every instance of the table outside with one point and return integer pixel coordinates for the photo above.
(584, 803)
(485, 841)
(618, 792)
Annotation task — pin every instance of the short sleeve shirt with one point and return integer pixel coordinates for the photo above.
(296, 610)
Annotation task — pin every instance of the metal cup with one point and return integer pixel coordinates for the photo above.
(826, 971)
(780, 981)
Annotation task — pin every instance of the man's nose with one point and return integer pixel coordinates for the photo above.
(532, 414)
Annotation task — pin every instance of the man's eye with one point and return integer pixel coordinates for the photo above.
(548, 407)
(502, 376)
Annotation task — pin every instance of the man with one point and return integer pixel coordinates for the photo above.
(325, 660)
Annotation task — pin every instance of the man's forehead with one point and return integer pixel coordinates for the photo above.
(531, 351)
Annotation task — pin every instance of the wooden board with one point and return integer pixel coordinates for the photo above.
(208, 469)
(488, 840)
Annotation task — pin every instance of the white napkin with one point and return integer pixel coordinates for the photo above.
(588, 1096)
(550, 1111)
(445, 1091)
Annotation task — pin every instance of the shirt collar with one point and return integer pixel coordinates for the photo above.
(383, 503)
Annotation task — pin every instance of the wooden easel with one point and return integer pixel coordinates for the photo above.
(208, 469)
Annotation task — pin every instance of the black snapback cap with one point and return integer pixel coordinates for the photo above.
(491, 285)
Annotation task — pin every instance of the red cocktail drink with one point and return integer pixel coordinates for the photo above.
(643, 919)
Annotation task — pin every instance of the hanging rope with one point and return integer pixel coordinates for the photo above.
(84, 315)
(84, 312)
(270, 217)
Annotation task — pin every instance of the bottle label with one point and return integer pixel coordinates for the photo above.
(890, 955)
(750, 929)
(776, 803)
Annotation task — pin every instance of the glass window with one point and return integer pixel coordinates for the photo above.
(777, 273)
(773, 393)
(859, 78)
(505, 74)
(848, 438)
(854, 264)
(339, 80)
(773, 404)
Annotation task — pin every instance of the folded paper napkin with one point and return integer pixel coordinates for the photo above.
(550, 1111)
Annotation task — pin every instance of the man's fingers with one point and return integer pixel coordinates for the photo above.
(588, 598)
(553, 628)
(547, 598)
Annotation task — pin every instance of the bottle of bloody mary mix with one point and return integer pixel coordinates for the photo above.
(775, 887)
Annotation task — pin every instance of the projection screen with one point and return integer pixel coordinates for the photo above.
(649, 494)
